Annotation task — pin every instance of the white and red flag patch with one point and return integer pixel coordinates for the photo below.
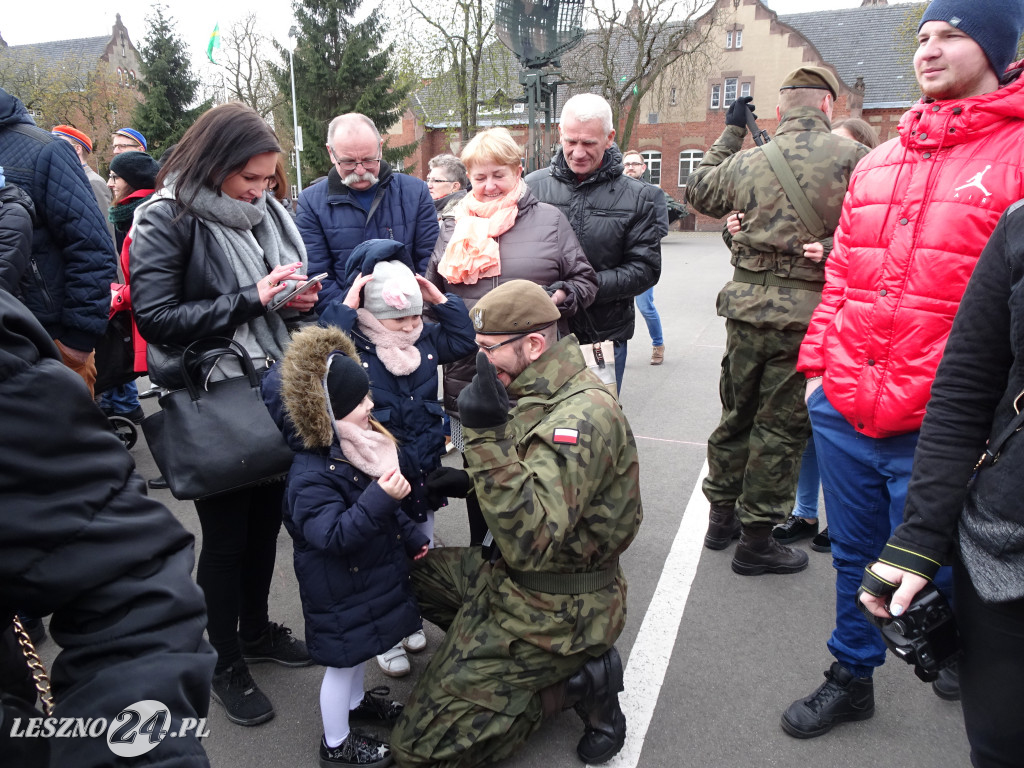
(566, 436)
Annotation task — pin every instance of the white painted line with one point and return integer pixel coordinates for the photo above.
(650, 654)
(668, 440)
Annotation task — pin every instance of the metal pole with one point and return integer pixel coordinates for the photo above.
(295, 123)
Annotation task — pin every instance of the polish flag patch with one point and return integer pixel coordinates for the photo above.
(566, 436)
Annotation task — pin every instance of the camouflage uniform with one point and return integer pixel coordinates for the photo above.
(559, 487)
(754, 454)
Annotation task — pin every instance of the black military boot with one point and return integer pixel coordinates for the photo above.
(841, 698)
(723, 527)
(759, 552)
(594, 693)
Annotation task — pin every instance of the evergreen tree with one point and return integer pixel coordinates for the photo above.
(168, 85)
(340, 66)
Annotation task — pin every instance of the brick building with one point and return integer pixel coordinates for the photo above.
(868, 47)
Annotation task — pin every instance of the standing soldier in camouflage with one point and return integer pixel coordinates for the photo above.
(754, 454)
(532, 618)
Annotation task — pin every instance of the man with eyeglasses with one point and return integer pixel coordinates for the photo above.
(362, 198)
(128, 140)
(531, 619)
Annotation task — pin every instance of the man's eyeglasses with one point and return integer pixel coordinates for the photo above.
(438, 181)
(632, 165)
(347, 165)
(517, 337)
(125, 147)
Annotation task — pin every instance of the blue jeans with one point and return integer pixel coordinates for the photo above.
(620, 363)
(122, 399)
(645, 303)
(809, 484)
(865, 483)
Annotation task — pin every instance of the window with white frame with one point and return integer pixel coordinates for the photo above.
(653, 160)
(738, 38)
(689, 159)
(744, 89)
(728, 40)
(716, 96)
(730, 91)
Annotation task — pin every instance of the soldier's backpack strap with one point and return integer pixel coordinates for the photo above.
(791, 187)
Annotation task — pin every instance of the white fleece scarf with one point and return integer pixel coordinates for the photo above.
(369, 451)
(396, 350)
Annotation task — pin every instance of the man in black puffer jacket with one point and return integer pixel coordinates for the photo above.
(67, 284)
(615, 218)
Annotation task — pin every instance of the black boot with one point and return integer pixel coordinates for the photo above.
(841, 698)
(594, 693)
(759, 552)
(723, 527)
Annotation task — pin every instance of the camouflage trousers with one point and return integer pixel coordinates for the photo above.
(754, 454)
(479, 699)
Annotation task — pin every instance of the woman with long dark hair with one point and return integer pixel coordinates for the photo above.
(211, 249)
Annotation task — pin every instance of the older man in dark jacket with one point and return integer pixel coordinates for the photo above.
(615, 218)
(67, 286)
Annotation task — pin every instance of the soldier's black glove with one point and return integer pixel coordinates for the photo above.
(737, 112)
(484, 403)
(447, 481)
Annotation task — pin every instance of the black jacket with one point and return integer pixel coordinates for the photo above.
(67, 286)
(616, 219)
(972, 401)
(79, 539)
(16, 219)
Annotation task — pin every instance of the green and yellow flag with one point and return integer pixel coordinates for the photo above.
(214, 42)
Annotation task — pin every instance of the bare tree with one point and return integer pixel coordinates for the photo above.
(249, 78)
(452, 41)
(626, 53)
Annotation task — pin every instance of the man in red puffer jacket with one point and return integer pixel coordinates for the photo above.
(918, 211)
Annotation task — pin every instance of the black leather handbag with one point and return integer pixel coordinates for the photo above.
(218, 437)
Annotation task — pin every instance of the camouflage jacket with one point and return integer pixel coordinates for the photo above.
(773, 236)
(559, 486)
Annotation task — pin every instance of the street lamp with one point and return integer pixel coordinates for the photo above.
(293, 35)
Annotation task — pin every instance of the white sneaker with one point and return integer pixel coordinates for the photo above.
(415, 642)
(394, 663)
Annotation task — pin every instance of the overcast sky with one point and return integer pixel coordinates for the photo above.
(22, 21)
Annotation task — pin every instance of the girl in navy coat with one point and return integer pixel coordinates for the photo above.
(352, 541)
(382, 313)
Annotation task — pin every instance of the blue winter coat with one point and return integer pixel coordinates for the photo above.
(352, 543)
(408, 405)
(67, 284)
(332, 224)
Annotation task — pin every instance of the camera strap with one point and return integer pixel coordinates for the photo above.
(995, 447)
(794, 193)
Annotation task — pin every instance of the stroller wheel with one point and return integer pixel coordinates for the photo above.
(125, 430)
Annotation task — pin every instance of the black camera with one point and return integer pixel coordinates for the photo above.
(924, 635)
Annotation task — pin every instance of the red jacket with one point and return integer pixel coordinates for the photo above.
(918, 211)
(121, 296)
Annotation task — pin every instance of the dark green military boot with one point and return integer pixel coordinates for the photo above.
(723, 527)
(594, 693)
(759, 552)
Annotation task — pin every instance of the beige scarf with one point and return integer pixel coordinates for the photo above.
(368, 450)
(396, 350)
(472, 253)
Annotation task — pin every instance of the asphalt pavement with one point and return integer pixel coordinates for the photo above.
(712, 658)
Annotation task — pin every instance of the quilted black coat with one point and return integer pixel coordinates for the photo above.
(67, 285)
(615, 218)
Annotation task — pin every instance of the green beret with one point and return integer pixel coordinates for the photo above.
(812, 77)
(518, 306)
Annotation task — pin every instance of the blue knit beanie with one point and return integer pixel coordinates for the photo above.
(995, 25)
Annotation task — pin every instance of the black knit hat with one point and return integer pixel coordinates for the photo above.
(347, 384)
(995, 25)
(136, 168)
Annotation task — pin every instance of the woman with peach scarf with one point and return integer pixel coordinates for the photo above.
(502, 232)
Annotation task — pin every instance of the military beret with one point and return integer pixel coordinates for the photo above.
(812, 77)
(518, 306)
(74, 134)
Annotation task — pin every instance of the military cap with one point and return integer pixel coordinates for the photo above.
(518, 306)
(812, 77)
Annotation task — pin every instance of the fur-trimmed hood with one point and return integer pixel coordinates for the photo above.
(302, 382)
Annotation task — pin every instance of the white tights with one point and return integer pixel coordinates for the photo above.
(340, 692)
